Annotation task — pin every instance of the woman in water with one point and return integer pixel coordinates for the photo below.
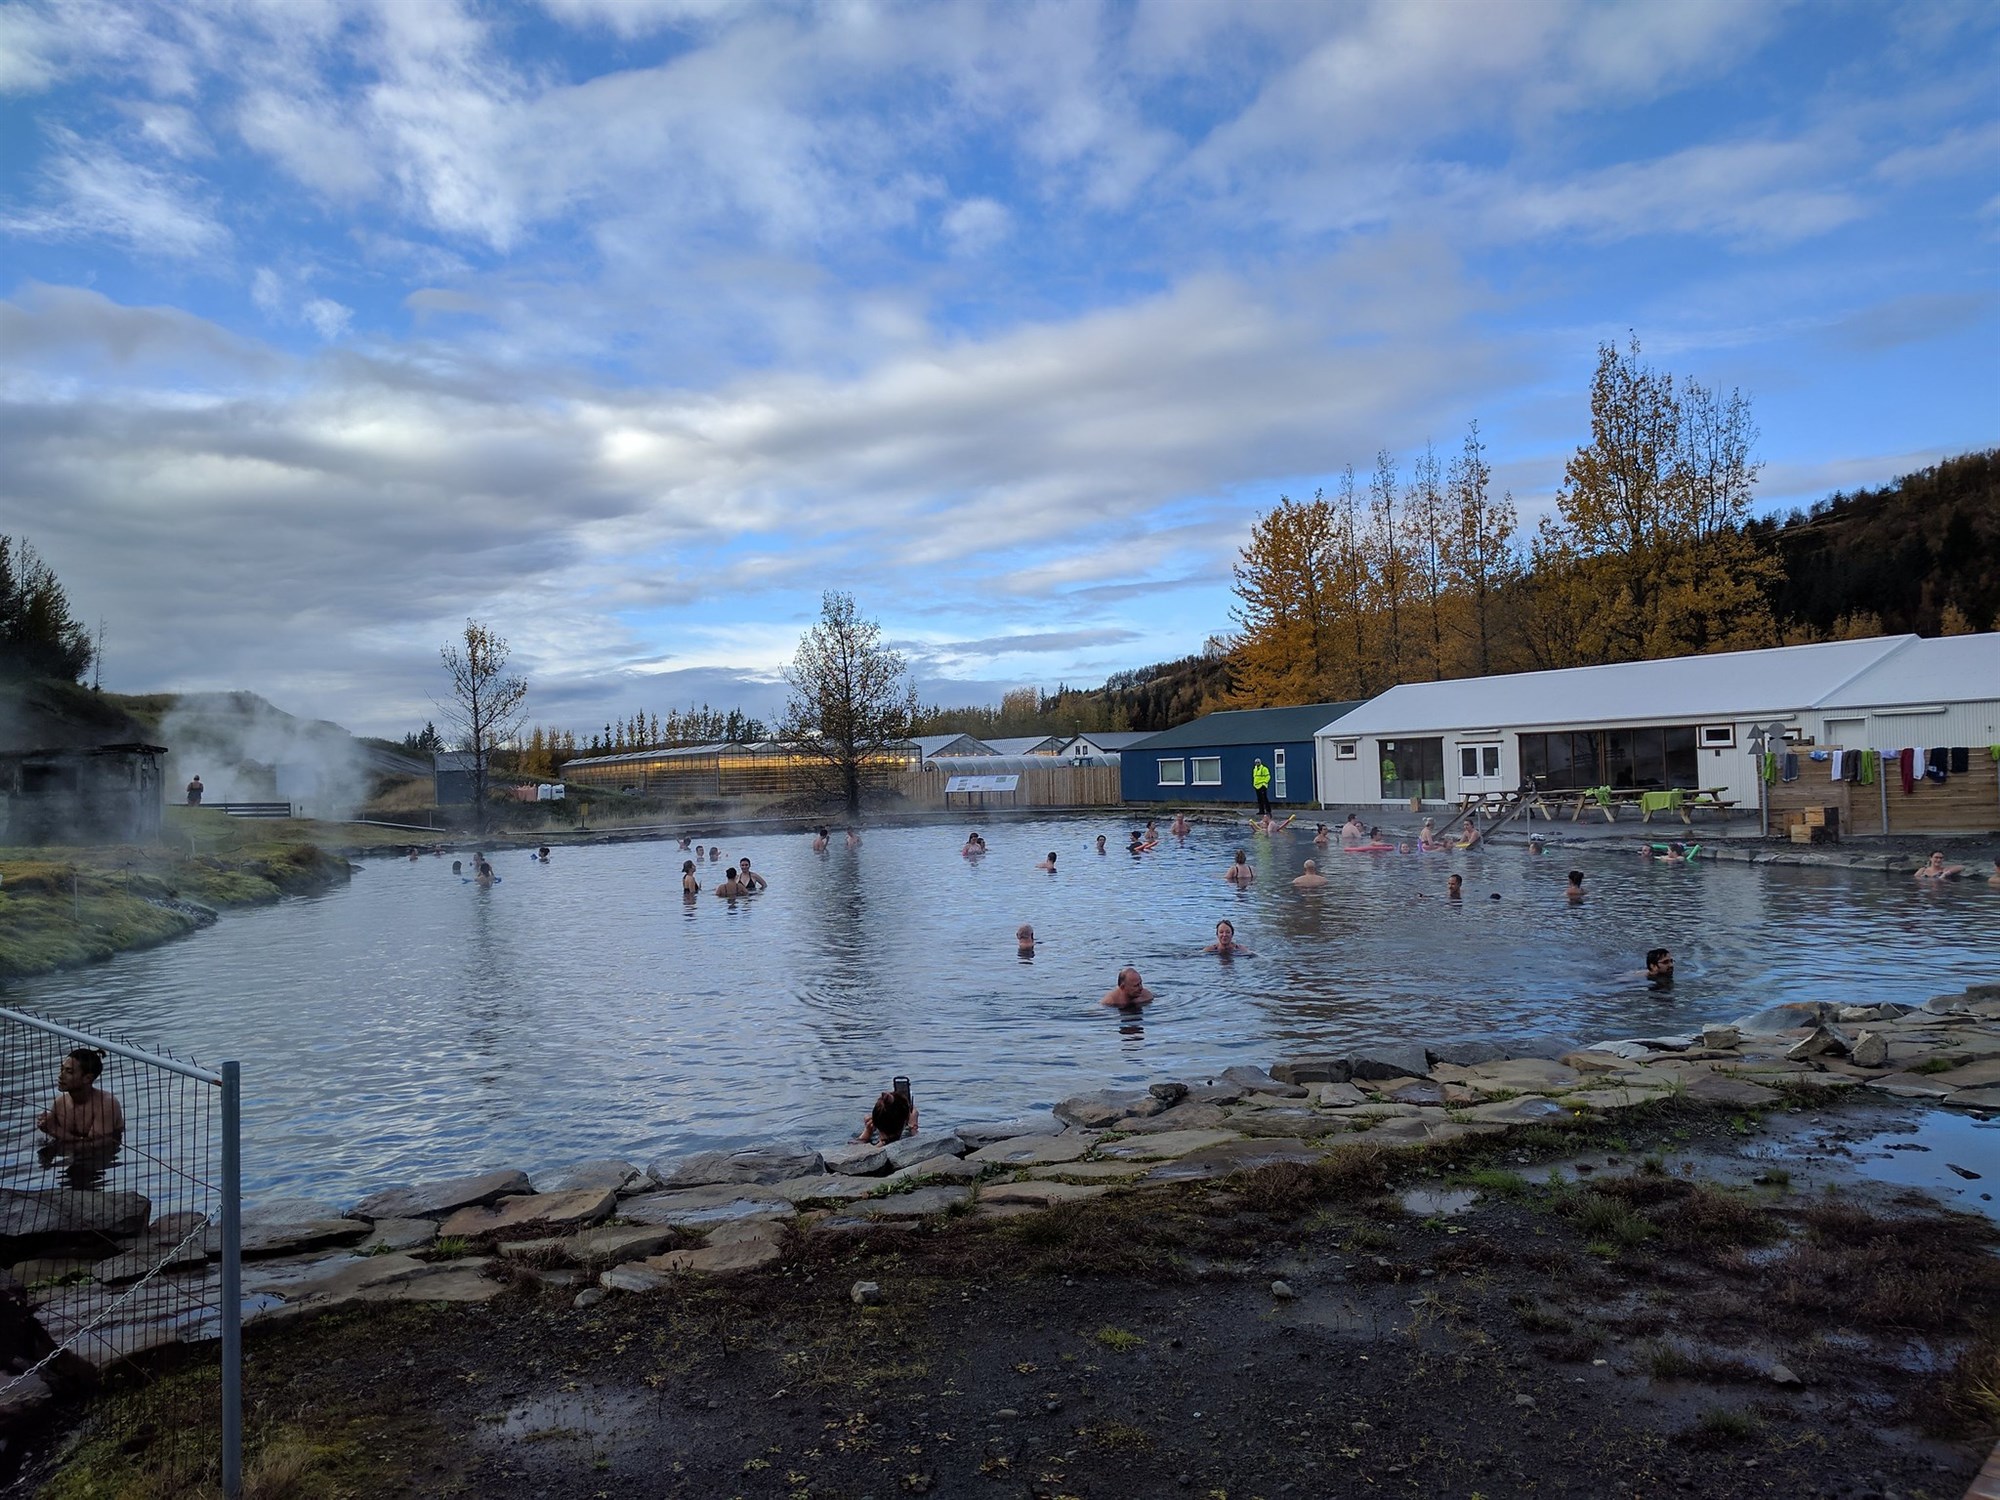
(819, 841)
(1935, 868)
(689, 885)
(893, 1118)
(1225, 941)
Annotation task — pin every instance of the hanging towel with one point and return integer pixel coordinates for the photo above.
(1961, 759)
(1840, 765)
(1790, 771)
(1907, 759)
(1937, 765)
(1866, 770)
(1771, 764)
(1853, 772)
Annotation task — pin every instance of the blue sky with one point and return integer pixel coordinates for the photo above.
(630, 325)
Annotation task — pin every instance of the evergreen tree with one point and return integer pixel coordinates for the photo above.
(38, 635)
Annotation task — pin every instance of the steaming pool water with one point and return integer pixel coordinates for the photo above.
(411, 1026)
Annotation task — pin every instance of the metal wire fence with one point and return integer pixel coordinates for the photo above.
(120, 1231)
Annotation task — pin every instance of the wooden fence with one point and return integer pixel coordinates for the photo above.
(1058, 786)
(1968, 803)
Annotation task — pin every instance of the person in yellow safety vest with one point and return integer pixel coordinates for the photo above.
(1260, 778)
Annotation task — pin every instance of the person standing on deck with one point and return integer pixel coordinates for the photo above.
(1260, 778)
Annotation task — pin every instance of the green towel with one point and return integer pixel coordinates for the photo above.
(1601, 795)
(1867, 775)
(1652, 802)
(1770, 765)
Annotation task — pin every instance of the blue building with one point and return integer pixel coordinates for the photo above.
(1209, 759)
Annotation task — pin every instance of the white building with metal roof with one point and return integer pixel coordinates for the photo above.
(1681, 722)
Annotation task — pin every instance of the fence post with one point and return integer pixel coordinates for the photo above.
(232, 1281)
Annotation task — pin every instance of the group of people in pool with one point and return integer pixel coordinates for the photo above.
(737, 879)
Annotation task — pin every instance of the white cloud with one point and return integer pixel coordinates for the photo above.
(91, 190)
(975, 225)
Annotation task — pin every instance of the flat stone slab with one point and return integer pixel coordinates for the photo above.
(1389, 1060)
(1039, 1194)
(133, 1264)
(605, 1172)
(374, 1278)
(854, 1159)
(1531, 1109)
(1033, 1150)
(1215, 1093)
(1257, 1081)
(1463, 1054)
(986, 1132)
(918, 1203)
(827, 1188)
(606, 1243)
(575, 1209)
(1526, 1074)
(1166, 1146)
(26, 1212)
(1592, 1060)
(752, 1250)
(920, 1148)
(1283, 1124)
(637, 1277)
(265, 1238)
(434, 1200)
(700, 1207)
(1427, 1132)
(1322, 1069)
(399, 1234)
(1614, 1099)
(1911, 1086)
(937, 1169)
(771, 1163)
(1095, 1110)
(1234, 1156)
(1182, 1116)
(1713, 1088)
(1090, 1171)
(1976, 1075)
(1974, 1099)
(1338, 1095)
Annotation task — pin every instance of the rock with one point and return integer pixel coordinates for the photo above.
(633, 1278)
(26, 1213)
(375, 1278)
(1525, 1401)
(613, 1243)
(1782, 1375)
(265, 1238)
(1714, 1088)
(910, 1151)
(1033, 1151)
(1615, 1098)
(1165, 1146)
(727, 1259)
(589, 1297)
(1464, 1054)
(702, 1207)
(1965, 1172)
(1974, 1099)
(1180, 1117)
(1420, 1093)
(434, 1200)
(134, 1264)
(827, 1188)
(1298, 1070)
(1911, 1086)
(854, 1159)
(574, 1210)
(864, 1294)
(1531, 1109)
(1094, 1111)
(1525, 1075)
(1870, 1050)
(1215, 1093)
(1168, 1094)
(1257, 1081)
(1230, 1157)
(1390, 1060)
(1779, 1018)
(1823, 1041)
(399, 1234)
(1088, 1171)
(1721, 1038)
(1283, 1124)
(1036, 1194)
(1338, 1095)
(772, 1163)
(918, 1203)
(1546, 1048)
(1973, 1075)
(605, 1172)
(937, 1169)
(1282, 1290)
(1591, 1060)
(986, 1134)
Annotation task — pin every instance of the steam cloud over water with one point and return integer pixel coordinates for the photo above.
(247, 750)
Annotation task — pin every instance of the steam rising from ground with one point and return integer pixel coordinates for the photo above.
(246, 750)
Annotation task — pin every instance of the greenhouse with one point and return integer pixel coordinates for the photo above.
(722, 770)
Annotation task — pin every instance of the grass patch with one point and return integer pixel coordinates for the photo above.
(1118, 1340)
(1935, 1065)
(1708, 1366)
(1495, 1183)
(1720, 1425)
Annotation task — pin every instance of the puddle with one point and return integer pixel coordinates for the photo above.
(1426, 1203)
(594, 1419)
(1921, 1151)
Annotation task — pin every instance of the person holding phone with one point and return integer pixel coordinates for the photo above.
(893, 1117)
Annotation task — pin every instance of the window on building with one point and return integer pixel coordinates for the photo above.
(1639, 759)
(1346, 750)
(1718, 736)
(1208, 770)
(1413, 768)
(1173, 772)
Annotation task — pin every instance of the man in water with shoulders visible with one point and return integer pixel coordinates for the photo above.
(1129, 993)
(1048, 864)
(83, 1113)
(1575, 892)
(1024, 941)
(1242, 872)
(730, 886)
(1312, 879)
(1659, 967)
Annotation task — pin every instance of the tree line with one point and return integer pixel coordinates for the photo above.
(39, 637)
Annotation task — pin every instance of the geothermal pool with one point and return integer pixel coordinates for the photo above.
(411, 1026)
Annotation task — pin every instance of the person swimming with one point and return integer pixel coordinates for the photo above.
(1935, 868)
(731, 886)
(854, 838)
(690, 885)
(1241, 872)
(1322, 835)
(83, 1113)
(1575, 892)
(1024, 941)
(748, 878)
(893, 1116)
(1225, 943)
(1129, 993)
(1659, 967)
(1181, 827)
(1137, 844)
(1100, 845)
(1454, 888)
(1352, 828)
(1048, 864)
(1311, 879)
(819, 841)
(542, 854)
(458, 868)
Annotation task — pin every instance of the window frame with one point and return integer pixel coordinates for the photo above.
(1196, 762)
(1172, 760)
(1347, 749)
(1725, 736)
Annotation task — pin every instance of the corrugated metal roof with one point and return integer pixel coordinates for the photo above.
(1026, 744)
(1689, 689)
(1111, 739)
(1948, 669)
(1249, 726)
(943, 744)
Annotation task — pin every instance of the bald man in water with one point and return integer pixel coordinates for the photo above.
(1311, 879)
(1129, 993)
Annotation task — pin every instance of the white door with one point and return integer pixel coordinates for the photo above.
(1277, 775)
(1479, 768)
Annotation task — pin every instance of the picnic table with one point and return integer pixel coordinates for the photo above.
(1680, 801)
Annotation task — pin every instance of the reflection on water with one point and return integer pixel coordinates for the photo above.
(411, 1025)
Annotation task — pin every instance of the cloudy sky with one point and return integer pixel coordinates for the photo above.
(630, 325)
